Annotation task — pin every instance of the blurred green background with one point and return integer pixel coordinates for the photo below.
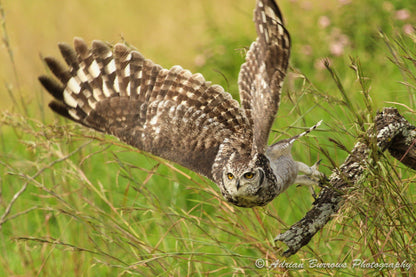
(77, 203)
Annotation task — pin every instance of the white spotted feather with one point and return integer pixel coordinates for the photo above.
(183, 118)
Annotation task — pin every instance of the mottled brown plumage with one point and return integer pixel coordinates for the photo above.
(179, 116)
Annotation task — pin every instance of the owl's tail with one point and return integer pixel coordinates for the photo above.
(293, 139)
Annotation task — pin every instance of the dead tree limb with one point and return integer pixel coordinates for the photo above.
(393, 133)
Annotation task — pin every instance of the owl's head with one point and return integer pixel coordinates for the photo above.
(249, 184)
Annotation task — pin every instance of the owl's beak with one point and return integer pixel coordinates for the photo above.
(238, 184)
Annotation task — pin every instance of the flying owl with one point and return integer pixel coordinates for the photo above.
(180, 117)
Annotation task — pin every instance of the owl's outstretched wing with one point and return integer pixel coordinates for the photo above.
(261, 76)
(170, 113)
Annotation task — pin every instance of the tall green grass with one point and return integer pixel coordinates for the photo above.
(75, 202)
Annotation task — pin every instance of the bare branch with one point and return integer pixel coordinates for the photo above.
(393, 133)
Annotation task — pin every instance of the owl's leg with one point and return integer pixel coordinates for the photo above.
(304, 180)
(312, 176)
(310, 171)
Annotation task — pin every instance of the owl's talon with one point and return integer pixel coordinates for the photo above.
(311, 171)
(315, 172)
(312, 176)
(313, 193)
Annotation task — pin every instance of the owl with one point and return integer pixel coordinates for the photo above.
(181, 117)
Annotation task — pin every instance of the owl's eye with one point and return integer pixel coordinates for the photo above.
(249, 175)
(230, 176)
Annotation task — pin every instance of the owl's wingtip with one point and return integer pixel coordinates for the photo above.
(319, 123)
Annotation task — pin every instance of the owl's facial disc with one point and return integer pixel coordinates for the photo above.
(242, 188)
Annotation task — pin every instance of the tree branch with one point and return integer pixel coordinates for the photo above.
(393, 133)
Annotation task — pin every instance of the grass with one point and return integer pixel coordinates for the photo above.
(75, 202)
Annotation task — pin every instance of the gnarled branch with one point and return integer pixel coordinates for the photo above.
(393, 133)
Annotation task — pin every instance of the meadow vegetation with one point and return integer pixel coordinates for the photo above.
(74, 202)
